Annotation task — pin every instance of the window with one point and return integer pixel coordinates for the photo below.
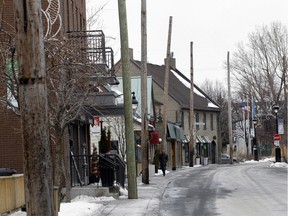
(11, 84)
(197, 121)
(211, 122)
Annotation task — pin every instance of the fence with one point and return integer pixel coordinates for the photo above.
(111, 166)
(11, 192)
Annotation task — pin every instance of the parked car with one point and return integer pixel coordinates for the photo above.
(225, 159)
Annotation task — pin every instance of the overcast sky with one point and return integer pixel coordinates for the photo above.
(214, 27)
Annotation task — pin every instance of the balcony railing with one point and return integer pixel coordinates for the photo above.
(92, 45)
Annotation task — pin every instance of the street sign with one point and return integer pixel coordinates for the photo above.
(276, 143)
(277, 137)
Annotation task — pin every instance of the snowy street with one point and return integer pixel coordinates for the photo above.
(240, 189)
(250, 188)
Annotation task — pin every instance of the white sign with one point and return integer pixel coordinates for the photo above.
(280, 126)
(276, 143)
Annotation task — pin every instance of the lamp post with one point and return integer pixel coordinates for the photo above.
(255, 147)
(277, 148)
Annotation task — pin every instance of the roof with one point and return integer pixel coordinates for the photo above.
(178, 90)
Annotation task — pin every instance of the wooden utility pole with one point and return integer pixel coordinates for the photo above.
(285, 75)
(166, 86)
(191, 119)
(129, 129)
(144, 123)
(34, 107)
(229, 110)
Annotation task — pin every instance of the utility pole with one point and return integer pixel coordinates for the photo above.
(129, 130)
(166, 85)
(229, 110)
(285, 97)
(34, 107)
(144, 123)
(191, 119)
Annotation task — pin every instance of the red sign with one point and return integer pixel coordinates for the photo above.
(154, 137)
(277, 137)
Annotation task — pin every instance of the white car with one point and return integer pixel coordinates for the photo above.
(225, 159)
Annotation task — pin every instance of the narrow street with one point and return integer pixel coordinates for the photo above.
(229, 190)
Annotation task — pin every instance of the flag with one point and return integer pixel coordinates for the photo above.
(246, 107)
(254, 109)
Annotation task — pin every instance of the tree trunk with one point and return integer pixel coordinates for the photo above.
(33, 108)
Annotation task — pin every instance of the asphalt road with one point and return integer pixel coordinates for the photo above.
(228, 190)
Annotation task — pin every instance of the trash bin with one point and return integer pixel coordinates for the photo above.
(7, 171)
(197, 161)
(206, 161)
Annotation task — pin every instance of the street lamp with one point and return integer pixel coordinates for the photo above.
(255, 149)
(277, 149)
(134, 102)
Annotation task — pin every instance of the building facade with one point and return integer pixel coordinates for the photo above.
(178, 125)
(65, 15)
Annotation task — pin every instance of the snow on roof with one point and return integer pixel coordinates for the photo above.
(195, 90)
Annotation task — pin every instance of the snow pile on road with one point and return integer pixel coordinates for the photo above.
(279, 164)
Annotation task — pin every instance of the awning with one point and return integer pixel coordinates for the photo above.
(206, 139)
(199, 139)
(179, 132)
(171, 131)
(175, 132)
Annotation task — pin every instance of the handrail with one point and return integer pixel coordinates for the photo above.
(107, 162)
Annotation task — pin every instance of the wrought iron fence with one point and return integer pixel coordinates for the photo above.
(111, 167)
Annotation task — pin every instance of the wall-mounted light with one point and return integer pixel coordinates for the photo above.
(134, 101)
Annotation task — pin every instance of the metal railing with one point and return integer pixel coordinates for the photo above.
(111, 167)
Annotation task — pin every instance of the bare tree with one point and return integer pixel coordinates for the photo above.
(219, 94)
(72, 74)
(258, 67)
(117, 127)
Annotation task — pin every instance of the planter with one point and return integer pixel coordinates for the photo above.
(197, 161)
(205, 161)
(156, 168)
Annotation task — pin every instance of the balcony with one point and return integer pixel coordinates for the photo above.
(91, 46)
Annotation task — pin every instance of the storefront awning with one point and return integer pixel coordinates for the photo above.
(199, 139)
(175, 132)
(171, 131)
(179, 132)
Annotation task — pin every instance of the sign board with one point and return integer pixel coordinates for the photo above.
(276, 143)
(277, 137)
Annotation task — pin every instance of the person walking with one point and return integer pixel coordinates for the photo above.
(163, 159)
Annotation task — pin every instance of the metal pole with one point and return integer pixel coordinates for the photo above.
(277, 148)
(255, 147)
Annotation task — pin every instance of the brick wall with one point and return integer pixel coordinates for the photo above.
(11, 143)
(11, 147)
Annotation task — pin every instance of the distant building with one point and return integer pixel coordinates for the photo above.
(178, 127)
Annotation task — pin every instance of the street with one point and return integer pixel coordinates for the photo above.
(228, 190)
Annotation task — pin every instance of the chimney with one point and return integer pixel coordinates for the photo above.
(172, 61)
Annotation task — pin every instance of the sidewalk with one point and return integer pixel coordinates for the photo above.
(149, 197)
(147, 204)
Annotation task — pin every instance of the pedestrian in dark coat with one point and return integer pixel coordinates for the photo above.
(163, 159)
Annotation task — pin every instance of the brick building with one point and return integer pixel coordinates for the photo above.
(66, 15)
